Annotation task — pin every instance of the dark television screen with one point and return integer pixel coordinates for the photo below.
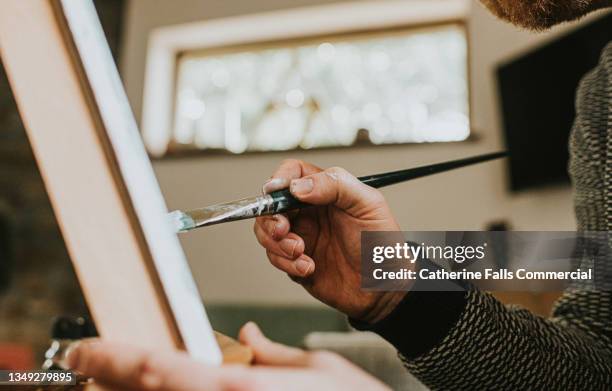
(537, 92)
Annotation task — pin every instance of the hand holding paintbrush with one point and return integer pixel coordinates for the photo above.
(319, 247)
(325, 237)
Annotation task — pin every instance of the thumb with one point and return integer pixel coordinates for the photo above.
(271, 353)
(336, 186)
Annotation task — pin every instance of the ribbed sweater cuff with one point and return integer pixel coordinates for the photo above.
(422, 319)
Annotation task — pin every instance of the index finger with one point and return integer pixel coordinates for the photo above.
(288, 170)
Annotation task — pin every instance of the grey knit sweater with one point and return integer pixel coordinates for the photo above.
(470, 341)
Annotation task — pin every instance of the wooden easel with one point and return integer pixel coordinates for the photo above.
(130, 266)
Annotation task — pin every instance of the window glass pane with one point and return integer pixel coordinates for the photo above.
(399, 87)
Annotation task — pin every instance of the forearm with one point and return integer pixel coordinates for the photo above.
(469, 340)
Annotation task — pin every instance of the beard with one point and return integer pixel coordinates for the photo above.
(541, 14)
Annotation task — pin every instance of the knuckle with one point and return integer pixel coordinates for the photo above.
(273, 258)
(290, 162)
(270, 228)
(377, 196)
(337, 170)
(148, 365)
(338, 174)
(298, 248)
(263, 237)
(322, 357)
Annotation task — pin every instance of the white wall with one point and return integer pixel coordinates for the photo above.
(226, 260)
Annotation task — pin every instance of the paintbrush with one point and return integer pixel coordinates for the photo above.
(283, 201)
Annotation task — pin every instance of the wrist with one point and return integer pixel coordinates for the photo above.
(383, 306)
(384, 302)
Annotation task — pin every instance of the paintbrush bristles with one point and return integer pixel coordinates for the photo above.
(181, 221)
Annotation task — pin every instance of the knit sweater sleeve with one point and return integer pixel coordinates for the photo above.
(467, 340)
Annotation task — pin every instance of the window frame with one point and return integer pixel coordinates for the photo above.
(276, 29)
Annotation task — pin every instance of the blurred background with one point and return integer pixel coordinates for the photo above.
(225, 90)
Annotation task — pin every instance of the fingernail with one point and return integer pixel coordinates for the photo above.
(274, 184)
(302, 186)
(303, 266)
(277, 225)
(271, 227)
(288, 246)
